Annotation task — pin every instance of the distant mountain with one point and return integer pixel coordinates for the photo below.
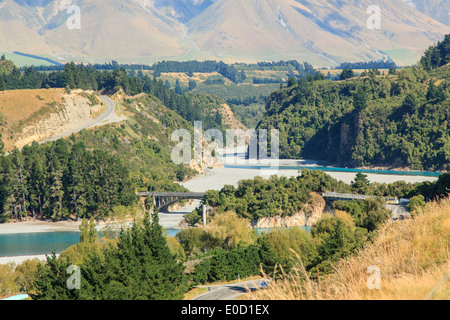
(183, 10)
(321, 32)
(122, 29)
(437, 9)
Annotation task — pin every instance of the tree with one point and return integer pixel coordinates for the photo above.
(416, 204)
(141, 267)
(432, 91)
(410, 102)
(346, 74)
(2, 145)
(54, 204)
(230, 230)
(291, 82)
(2, 84)
(287, 245)
(88, 233)
(51, 281)
(360, 184)
(337, 240)
(360, 99)
(192, 85)
(178, 88)
(391, 70)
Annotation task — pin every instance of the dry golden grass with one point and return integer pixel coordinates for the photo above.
(194, 293)
(198, 77)
(413, 257)
(18, 105)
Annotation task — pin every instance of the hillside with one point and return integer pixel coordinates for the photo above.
(412, 257)
(437, 9)
(321, 32)
(94, 172)
(36, 115)
(393, 120)
(281, 29)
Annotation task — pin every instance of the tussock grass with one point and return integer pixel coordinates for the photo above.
(412, 255)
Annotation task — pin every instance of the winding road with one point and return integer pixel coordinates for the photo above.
(109, 116)
(231, 291)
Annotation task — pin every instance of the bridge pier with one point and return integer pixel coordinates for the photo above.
(164, 199)
(204, 216)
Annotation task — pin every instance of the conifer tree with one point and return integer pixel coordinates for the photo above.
(2, 84)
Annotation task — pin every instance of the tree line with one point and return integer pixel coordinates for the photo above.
(83, 77)
(437, 55)
(59, 180)
(368, 65)
(189, 67)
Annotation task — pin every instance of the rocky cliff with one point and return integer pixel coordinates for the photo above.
(311, 213)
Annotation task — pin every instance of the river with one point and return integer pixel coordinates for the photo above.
(15, 244)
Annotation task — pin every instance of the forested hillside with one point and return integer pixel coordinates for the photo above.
(94, 172)
(107, 81)
(398, 119)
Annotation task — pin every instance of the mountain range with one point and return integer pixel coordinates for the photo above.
(322, 32)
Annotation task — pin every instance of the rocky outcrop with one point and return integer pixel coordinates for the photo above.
(308, 216)
(75, 110)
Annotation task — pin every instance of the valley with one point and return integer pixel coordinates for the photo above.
(117, 120)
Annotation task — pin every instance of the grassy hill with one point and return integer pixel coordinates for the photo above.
(38, 114)
(412, 256)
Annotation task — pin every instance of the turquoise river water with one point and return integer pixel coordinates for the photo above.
(44, 243)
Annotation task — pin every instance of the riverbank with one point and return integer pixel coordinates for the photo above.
(216, 178)
(236, 167)
(19, 259)
(38, 226)
(212, 179)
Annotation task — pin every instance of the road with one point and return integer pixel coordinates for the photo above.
(399, 211)
(109, 116)
(230, 291)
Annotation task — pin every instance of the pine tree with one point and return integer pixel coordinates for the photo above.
(51, 281)
(140, 267)
(2, 84)
(432, 91)
(54, 204)
(2, 145)
(360, 99)
(20, 183)
(76, 181)
(346, 74)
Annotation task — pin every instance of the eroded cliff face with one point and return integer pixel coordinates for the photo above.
(311, 213)
(75, 110)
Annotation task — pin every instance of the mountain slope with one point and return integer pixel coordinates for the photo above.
(19, 25)
(320, 31)
(183, 10)
(35, 115)
(437, 9)
(115, 29)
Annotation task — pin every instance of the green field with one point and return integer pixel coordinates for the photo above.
(22, 61)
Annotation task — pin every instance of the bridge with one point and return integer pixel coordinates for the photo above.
(165, 199)
(334, 196)
(397, 207)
